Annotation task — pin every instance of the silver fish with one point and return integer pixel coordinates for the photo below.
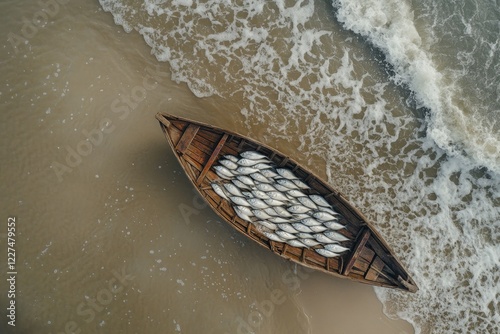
(306, 201)
(310, 222)
(254, 155)
(285, 235)
(329, 210)
(274, 202)
(246, 170)
(299, 216)
(260, 178)
(228, 164)
(249, 162)
(247, 194)
(219, 191)
(287, 183)
(335, 248)
(230, 157)
(279, 220)
(326, 253)
(323, 216)
(319, 200)
(232, 189)
(296, 243)
(271, 212)
(246, 180)
(309, 242)
(223, 172)
(287, 228)
(263, 165)
(265, 187)
(300, 184)
(286, 173)
(245, 210)
(301, 227)
(323, 239)
(260, 194)
(277, 196)
(303, 235)
(239, 201)
(267, 224)
(268, 173)
(333, 225)
(281, 188)
(261, 214)
(318, 228)
(298, 209)
(282, 212)
(295, 193)
(240, 184)
(242, 215)
(273, 236)
(335, 236)
(257, 203)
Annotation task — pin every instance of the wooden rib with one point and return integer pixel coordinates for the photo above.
(284, 249)
(375, 268)
(386, 257)
(187, 138)
(284, 162)
(212, 158)
(365, 235)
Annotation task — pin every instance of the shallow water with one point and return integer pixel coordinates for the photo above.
(110, 235)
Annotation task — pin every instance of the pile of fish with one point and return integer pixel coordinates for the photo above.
(274, 200)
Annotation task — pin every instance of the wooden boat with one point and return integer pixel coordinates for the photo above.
(370, 260)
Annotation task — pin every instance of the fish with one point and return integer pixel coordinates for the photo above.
(242, 215)
(263, 165)
(239, 201)
(268, 173)
(296, 243)
(279, 220)
(281, 188)
(246, 170)
(303, 235)
(249, 162)
(240, 184)
(245, 210)
(271, 212)
(335, 248)
(277, 196)
(228, 164)
(219, 190)
(326, 253)
(309, 242)
(335, 236)
(318, 228)
(319, 200)
(323, 216)
(287, 228)
(254, 155)
(285, 235)
(295, 193)
(260, 194)
(301, 227)
(300, 216)
(223, 172)
(261, 214)
(286, 173)
(281, 212)
(230, 157)
(265, 187)
(247, 194)
(257, 203)
(260, 178)
(273, 237)
(333, 225)
(232, 189)
(267, 224)
(246, 180)
(310, 222)
(300, 184)
(329, 210)
(287, 183)
(306, 201)
(274, 202)
(323, 239)
(298, 209)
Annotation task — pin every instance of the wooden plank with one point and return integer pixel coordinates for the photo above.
(386, 257)
(187, 138)
(375, 268)
(212, 158)
(360, 244)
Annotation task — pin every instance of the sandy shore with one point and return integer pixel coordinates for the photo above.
(341, 306)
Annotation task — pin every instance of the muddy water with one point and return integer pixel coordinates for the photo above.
(110, 236)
